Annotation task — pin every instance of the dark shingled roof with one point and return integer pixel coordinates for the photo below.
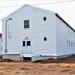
(65, 22)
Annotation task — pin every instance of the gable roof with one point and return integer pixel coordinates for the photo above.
(64, 21)
(42, 9)
(27, 5)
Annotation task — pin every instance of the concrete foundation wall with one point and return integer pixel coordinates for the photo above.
(15, 57)
(35, 58)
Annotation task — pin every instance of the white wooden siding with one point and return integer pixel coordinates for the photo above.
(37, 31)
(63, 37)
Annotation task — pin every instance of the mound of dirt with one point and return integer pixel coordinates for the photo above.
(63, 66)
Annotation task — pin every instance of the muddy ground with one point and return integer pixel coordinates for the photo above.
(65, 66)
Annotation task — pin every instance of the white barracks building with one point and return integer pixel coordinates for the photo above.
(34, 33)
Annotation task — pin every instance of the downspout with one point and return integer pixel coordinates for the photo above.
(6, 34)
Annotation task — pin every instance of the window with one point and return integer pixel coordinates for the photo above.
(68, 32)
(28, 43)
(73, 44)
(26, 23)
(45, 38)
(44, 18)
(23, 43)
(73, 33)
(69, 43)
(67, 40)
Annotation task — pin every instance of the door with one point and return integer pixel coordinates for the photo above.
(27, 46)
(24, 47)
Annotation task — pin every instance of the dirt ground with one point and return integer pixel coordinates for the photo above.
(65, 66)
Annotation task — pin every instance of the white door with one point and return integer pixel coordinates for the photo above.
(24, 47)
(27, 46)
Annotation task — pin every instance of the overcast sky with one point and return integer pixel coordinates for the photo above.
(66, 10)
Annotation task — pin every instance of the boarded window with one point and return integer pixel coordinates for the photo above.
(26, 23)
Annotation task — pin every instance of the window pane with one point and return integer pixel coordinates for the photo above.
(45, 38)
(23, 43)
(26, 26)
(28, 43)
(69, 43)
(44, 18)
(26, 23)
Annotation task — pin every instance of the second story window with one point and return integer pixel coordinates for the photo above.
(45, 38)
(44, 18)
(69, 43)
(26, 23)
